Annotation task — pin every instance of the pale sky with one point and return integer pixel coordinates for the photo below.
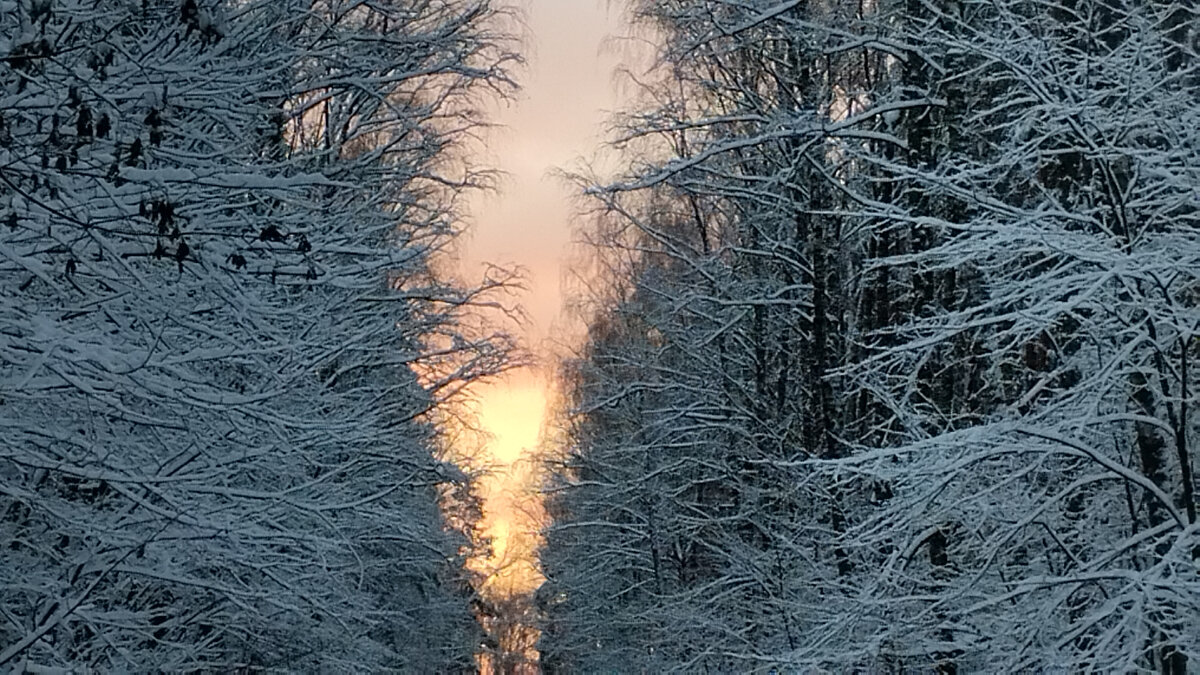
(557, 121)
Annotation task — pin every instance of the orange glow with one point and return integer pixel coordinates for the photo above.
(556, 121)
(511, 413)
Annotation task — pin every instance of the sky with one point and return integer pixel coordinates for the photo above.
(556, 122)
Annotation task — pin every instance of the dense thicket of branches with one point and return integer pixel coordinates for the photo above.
(892, 346)
(221, 334)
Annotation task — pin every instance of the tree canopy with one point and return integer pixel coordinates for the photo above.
(224, 330)
(890, 348)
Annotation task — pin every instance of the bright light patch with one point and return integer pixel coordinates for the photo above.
(512, 413)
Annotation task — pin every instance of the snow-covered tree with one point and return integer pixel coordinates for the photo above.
(910, 288)
(224, 334)
(716, 352)
(1068, 196)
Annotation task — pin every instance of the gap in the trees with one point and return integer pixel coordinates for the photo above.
(527, 224)
(511, 414)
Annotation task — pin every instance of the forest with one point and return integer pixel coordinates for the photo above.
(225, 340)
(890, 328)
(892, 346)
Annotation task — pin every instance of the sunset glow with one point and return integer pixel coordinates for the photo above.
(556, 123)
(511, 414)
(527, 223)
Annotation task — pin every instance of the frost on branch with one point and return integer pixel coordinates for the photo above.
(891, 346)
(217, 450)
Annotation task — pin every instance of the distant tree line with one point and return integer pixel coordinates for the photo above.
(224, 336)
(892, 346)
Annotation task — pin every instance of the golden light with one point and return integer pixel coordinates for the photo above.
(511, 412)
(527, 223)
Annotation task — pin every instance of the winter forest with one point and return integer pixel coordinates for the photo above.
(887, 360)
